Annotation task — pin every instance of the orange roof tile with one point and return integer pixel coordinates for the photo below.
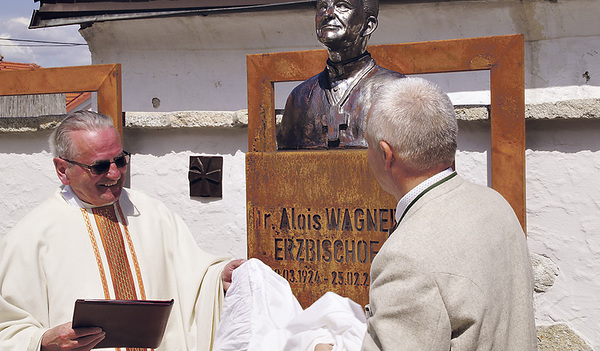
(13, 66)
(74, 99)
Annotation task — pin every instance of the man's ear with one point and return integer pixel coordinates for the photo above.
(388, 154)
(61, 170)
(370, 26)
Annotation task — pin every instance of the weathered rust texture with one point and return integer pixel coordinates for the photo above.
(322, 181)
(501, 55)
(262, 71)
(103, 79)
(292, 195)
(508, 127)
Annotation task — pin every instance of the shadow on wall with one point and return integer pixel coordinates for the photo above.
(568, 136)
(208, 141)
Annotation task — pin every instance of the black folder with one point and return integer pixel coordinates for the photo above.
(127, 323)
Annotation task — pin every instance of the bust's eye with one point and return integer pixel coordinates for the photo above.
(343, 6)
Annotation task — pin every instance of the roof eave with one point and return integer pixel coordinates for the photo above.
(39, 19)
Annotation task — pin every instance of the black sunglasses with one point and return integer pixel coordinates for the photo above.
(102, 167)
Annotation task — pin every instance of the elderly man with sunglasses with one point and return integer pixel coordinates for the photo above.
(93, 239)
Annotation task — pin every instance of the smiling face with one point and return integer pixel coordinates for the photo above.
(340, 23)
(91, 147)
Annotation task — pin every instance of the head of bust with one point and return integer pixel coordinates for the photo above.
(344, 26)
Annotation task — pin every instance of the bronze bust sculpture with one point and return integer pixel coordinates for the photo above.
(329, 110)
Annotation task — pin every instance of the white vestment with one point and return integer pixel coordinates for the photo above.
(54, 256)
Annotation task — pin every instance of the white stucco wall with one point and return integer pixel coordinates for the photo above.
(198, 63)
(563, 202)
(160, 168)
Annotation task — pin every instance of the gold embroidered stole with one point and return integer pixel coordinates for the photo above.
(115, 254)
(112, 240)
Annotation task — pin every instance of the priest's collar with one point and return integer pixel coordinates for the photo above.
(345, 69)
(69, 195)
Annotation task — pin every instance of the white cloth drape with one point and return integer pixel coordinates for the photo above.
(261, 313)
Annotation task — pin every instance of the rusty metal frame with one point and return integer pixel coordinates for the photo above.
(105, 80)
(503, 56)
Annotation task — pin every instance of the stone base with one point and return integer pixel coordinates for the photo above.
(559, 337)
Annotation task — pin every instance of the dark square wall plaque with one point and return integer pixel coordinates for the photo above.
(205, 176)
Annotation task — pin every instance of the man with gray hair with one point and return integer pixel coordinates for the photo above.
(94, 239)
(329, 110)
(455, 272)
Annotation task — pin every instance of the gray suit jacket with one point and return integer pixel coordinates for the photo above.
(454, 275)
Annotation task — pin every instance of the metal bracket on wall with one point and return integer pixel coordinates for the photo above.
(205, 176)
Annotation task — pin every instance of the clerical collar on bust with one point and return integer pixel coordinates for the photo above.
(344, 69)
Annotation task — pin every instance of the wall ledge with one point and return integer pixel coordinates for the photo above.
(569, 109)
(186, 119)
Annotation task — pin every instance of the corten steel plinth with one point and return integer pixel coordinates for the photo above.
(319, 217)
(105, 80)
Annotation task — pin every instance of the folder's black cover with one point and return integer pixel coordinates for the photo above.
(127, 323)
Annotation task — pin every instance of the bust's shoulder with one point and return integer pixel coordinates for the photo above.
(305, 93)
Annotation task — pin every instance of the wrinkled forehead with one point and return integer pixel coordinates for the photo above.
(95, 143)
